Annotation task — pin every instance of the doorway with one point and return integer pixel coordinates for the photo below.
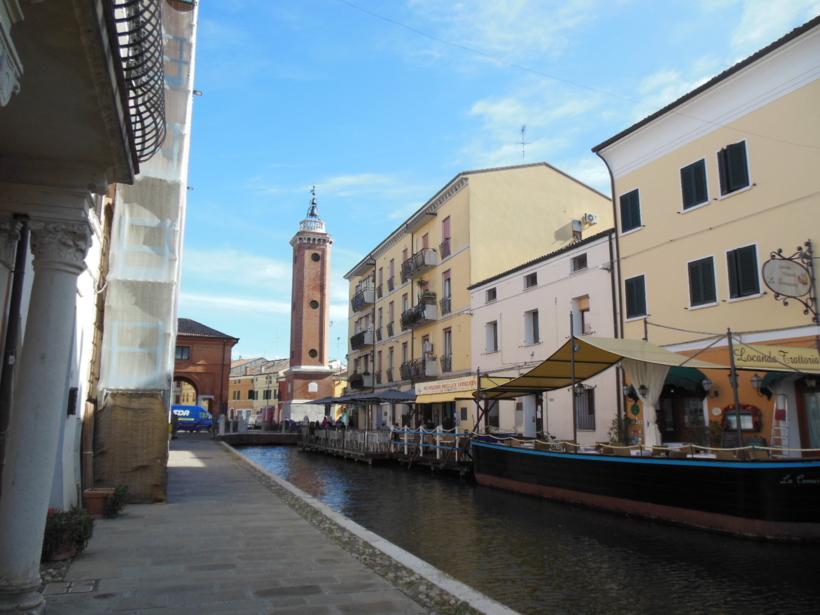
(680, 416)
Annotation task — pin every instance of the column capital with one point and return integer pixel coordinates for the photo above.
(63, 243)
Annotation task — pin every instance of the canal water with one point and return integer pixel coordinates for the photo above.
(537, 556)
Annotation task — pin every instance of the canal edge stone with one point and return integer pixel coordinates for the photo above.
(480, 602)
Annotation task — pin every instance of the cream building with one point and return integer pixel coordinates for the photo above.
(409, 319)
(705, 190)
(522, 316)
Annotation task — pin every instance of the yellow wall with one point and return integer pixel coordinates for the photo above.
(780, 210)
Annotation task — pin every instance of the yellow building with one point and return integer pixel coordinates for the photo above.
(705, 190)
(409, 318)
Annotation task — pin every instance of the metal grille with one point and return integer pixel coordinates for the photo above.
(136, 32)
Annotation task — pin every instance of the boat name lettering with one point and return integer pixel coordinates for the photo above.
(799, 480)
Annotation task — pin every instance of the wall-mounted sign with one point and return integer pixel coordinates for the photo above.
(787, 278)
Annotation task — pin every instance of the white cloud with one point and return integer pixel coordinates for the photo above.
(233, 304)
(764, 21)
(592, 171)
(512, 30)
(235, 267)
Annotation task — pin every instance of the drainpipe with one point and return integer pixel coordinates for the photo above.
(615, 311)
(12, 337)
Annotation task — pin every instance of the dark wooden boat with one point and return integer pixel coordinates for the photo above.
(774, 499)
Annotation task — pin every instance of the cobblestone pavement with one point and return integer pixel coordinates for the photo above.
(230, 540)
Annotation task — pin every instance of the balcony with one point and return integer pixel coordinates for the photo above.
(366, 296)
(378, 377)
(379, 292)
(362, 339)
(391, 284)
(426, 367)
(445, 305)
(420, 314)
(389, 373)
(446, 363)
(390, 329)
(444, 248)
(423, 260)
(360, 381)
(379, 334)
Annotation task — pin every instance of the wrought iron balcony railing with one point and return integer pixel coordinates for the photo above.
(390, 329)
(420, 314)
(446, 363)
(366, 296)
(378, 377)
(391, 284)
(361, 339)
(426, 367)
(444, 248)
(389, 374)
(379, 291)
(445, 305)
(421, 261)
(135, 28)
(379, 334)
(360, 381)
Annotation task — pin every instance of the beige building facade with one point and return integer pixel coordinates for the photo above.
(705, 192)
(409, 318)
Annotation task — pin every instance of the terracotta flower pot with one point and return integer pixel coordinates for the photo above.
(95, 501)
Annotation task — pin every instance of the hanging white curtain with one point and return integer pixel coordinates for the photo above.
(652, 376)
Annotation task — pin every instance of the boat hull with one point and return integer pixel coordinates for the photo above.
(777, 499)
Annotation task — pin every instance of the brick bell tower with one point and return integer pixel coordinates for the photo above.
(309, 376)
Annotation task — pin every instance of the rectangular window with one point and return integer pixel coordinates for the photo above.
(266, 394)
(251, 394)
(404, 352)
(636, 297)
(404, 255)
(743, 277)
(379, 361)
(404, 303)
(702, 290)
(392, 268)
(381, 276)
(390, 313)
(630, 211)
(585, 410)
(446, 289)
(693, 184)
(381, 319)
(490, 296)
(585, 322)
(492, 336)
(579, 263)
(390, 358)
(425, 241)
(532, 335)
(531, 280)
(733, 167)
(445, 228)
(183, 353)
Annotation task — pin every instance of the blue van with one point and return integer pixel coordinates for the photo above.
(192, 418)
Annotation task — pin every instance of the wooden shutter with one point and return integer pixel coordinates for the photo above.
(693, 182)
(635, 297)
(737, 169)
(702, 282)
(743, 278)
(630, 211)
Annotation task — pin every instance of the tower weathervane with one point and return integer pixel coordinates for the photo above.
(313, 210)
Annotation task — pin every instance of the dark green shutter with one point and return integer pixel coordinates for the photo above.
(743, 277)
(630, 211)
(702, 282)
(738, 170)
(693, 182)
(635, 297)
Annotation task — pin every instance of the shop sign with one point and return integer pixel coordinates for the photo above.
(787, 278)
(777, 358)
(453, 385)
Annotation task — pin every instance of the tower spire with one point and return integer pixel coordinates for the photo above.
(313, 210)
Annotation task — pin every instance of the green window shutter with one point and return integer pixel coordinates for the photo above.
(737, 169)
(630, 211)
(702, 282)
(635, 297)
(747, 269)
(731, 264)
(693, 181)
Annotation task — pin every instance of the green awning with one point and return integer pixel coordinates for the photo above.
(688, 378)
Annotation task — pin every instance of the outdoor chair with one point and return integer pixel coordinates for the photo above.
(760, 453)
(681, 453)
(660, 451)
(624, 451)
(724, 455)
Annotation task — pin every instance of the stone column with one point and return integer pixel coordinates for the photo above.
(59, 250)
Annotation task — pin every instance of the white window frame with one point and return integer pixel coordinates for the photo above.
(529, 338)
(708, 190)
(491, 335)
(691, 307)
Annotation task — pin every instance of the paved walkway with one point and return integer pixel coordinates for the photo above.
(222, 544)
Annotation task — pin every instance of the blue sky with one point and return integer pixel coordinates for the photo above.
(379, 116)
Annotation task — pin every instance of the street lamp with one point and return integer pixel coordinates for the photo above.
(707, 386)
(643, 391)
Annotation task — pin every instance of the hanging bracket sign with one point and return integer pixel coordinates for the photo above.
(792, 277)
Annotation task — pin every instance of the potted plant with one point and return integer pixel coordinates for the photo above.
(95, 500)
(67, 533)
(115, 502)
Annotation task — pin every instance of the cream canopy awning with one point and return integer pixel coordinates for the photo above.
(593, 355)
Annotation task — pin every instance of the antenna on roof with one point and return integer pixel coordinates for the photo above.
(523, 143)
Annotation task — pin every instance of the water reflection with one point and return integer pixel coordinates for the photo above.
(541, 557)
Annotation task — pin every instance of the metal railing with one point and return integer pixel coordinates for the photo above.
(362, 298)
(135, 33)
(446, 362)
(379, 334)
(390, 329)
(420, 313)
(444, 248)
(378, 377)
(361, 339)
(417, 368)
(389, 374)
(379, 291)
(391, 284)
(446, 305)
(349, 440)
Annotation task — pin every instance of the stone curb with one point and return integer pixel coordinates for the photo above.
(480, 602)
